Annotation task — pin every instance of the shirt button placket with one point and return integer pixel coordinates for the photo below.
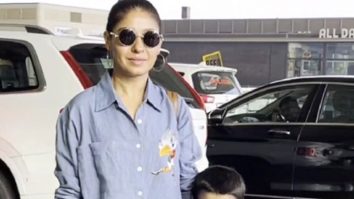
(139, 125)
(139, 168)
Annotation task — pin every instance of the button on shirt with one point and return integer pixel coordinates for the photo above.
(103, 153)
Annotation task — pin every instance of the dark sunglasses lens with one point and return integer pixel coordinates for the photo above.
(151, 39)
(127, 37)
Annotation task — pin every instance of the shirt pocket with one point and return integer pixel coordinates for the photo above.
(111, 161)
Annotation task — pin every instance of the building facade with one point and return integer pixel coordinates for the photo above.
(265, 50)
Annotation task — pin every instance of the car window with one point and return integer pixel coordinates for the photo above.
(338, 105)
(215, 82)
(17, 72)
(279, 105)
(171, 80)
(92, 59)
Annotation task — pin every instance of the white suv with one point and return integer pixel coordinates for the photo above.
(39, 73)
(215, 84)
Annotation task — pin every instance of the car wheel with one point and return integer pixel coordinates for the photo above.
(6, 188)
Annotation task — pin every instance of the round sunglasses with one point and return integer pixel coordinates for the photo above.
(127, 37)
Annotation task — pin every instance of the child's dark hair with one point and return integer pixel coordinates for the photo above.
(220, 180)
(122, 7)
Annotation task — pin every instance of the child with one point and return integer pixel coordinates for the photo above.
(218, 182)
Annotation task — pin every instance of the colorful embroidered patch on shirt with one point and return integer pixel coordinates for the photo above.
(167, 148)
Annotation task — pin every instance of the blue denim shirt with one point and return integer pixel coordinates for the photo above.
(102, 153)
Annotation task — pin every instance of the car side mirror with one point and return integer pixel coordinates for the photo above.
(216, 116)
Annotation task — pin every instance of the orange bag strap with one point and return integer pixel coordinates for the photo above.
(173, 96)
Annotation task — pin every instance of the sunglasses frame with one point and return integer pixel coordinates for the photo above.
(117, 35)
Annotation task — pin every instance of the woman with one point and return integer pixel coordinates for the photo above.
(122, 138)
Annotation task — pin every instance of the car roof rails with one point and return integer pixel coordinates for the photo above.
(25, 27)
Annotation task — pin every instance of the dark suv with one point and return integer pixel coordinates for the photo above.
(291, 138)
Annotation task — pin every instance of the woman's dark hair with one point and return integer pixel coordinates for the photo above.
(122, 7)
(220, 180)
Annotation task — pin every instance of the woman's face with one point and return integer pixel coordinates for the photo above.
(137, 59)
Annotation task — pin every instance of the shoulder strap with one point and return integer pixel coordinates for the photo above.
(173, 96)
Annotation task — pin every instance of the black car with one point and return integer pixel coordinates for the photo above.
(290, 138)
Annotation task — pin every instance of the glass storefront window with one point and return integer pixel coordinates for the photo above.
(340, 59)
(340, 51)
(303, 67)
(339, 67)
(305, 50)
(304, 59)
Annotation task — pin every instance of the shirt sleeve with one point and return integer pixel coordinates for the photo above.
(190, 148)
(66, 159)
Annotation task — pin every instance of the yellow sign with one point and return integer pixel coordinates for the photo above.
(213, 58)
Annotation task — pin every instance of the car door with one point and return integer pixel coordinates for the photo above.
(324, 161)
(251, 139)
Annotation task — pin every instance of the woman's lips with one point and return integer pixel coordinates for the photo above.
(137, 61)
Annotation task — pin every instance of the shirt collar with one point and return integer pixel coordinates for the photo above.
(153, 95)
(105, 94)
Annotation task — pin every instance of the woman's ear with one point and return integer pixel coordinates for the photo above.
(107, 40)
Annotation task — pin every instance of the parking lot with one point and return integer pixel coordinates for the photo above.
(281, 111)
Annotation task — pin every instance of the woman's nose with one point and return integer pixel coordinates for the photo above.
(138, 45)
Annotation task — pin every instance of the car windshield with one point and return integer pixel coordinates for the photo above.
(215, 82)
(92, 59)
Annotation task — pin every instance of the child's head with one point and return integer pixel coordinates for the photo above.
(218, 182)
